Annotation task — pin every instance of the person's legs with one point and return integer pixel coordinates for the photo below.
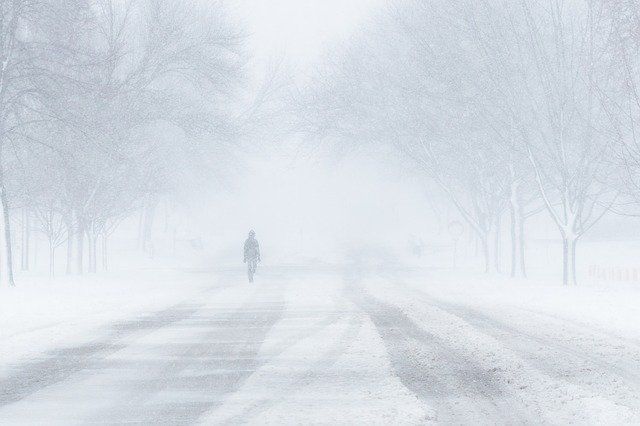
(250, 271)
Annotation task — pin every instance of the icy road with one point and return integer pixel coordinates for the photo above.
(342, 348)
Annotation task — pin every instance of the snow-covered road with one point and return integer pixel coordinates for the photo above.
(333, 348)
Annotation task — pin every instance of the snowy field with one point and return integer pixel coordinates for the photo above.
(374, 346)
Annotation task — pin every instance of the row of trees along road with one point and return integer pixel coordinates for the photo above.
(510, 107)
(88, 88)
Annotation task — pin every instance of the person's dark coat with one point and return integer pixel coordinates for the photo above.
(251, 250)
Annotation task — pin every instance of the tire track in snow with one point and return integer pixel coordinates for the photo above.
(456, 386)
(310, 373)
(59, 365)
(498, 328)
(209, 368)
(554, 356)
(305, 378)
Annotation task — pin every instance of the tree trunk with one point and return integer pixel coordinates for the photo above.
(514, 241)
(497, 245)
(522, 253)
(487, 253)
(52, 259)
(79, 245)
(573, 272)
(94, 254)
(92, 245)
(25, 238)
(517, 234)
(518, 265)
(90, 252)
(34, 257)
(7, 234)
(569, 276)
(105, 264)
(70, 235)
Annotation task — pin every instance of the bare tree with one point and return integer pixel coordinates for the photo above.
(29, 42)
(620, 97)
(405, 87)
(566, 143)
(495, 101)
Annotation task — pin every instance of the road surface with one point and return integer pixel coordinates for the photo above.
(329, 348)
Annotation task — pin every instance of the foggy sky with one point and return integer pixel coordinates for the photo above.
(296, 200)
(301, 30)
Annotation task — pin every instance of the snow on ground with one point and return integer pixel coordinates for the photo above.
(342, 346)
(613, 307)
(41, 313)
(132, 373)
(286, 350)
(323, 363)
(552, 353)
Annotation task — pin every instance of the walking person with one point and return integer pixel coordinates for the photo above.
(251, 254)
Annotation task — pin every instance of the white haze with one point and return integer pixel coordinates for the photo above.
(445, 197)
(315, 208)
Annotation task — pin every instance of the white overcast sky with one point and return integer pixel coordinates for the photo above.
(300, 30)
(322, 203)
